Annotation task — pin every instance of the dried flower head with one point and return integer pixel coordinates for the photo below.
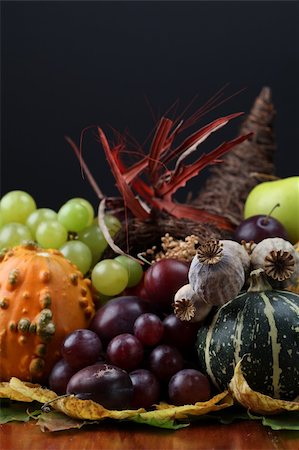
(210, 252)
(182, 249)
(177, 248)
(279, 265)
(184, 309)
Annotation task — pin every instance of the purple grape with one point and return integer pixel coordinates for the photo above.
(146, 388)
(259, 227)
(148, 328)
(163, 279)
(117, 316)
(188, 386)
(103, 383)
(164, 361)
(81, 348)
(60, 376)
(178, 333)
(125, 351)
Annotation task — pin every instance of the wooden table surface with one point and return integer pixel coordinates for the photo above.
(243, 435)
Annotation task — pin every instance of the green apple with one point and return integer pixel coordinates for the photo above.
(266, 195)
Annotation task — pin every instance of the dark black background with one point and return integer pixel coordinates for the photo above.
(68, 65)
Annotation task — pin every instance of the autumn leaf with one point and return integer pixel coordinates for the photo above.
(255, 401)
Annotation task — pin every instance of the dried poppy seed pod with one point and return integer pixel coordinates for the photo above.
(240, 250)
(217, 272)
(277, 257)
(189, 306)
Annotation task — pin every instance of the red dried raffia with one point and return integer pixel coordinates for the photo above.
(129, 198)
(187, 172)
(155, 198)
(162, 200)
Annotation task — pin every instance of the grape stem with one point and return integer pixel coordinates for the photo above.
(46, 408)
(143, 259)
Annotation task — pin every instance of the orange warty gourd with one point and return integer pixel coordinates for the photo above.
(43, 297)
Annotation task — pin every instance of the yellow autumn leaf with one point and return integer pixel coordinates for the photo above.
(7, 392)
(70, 405)
(34, 391)
(89, 410)
(164, 411)
(255, 401)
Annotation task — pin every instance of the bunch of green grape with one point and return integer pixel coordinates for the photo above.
(73, 230)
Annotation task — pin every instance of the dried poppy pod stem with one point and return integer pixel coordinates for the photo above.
(190, 307)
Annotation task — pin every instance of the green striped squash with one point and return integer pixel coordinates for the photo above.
(264, 325)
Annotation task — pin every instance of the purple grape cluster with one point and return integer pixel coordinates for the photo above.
(131, 351)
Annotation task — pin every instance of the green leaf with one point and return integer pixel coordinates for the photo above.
(16, 411)
(285, 421)
(225, 416)
(230, 416)
(160, 423)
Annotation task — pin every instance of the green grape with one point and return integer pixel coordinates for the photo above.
(87, 205)
(12, 234)
(38, 216)
(16, 206)
(134, 269)
(73, 216)
(93, 237)
(78, 253)
(112, 223)
(51, 234)
(109, 277)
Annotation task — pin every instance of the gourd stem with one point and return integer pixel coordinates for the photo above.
(258, 281)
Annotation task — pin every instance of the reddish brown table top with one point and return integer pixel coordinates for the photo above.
(244, 435)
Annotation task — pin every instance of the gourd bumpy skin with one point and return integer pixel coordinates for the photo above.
(43, 297)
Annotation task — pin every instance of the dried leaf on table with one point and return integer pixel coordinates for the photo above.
(32, 391)
(70, 405)
(165, 411)
(6, 391)
(56, 421)
(255, 401)
(89, 410)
